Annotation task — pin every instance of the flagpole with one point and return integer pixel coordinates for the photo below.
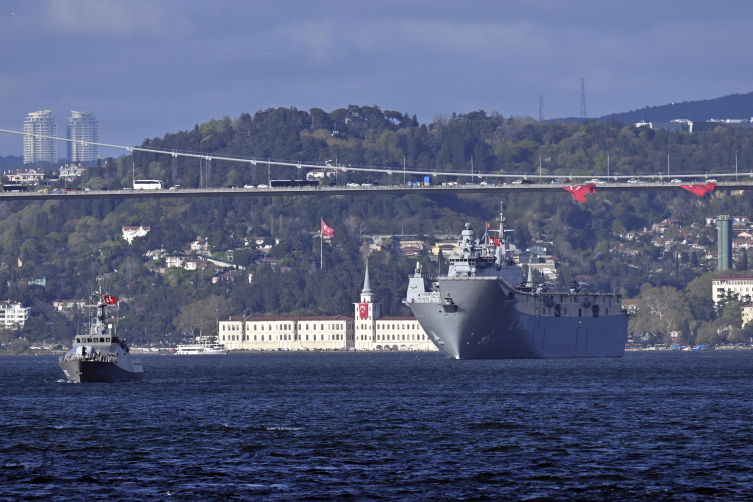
(321, 243)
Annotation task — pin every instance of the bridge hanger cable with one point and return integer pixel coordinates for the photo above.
(383, 170)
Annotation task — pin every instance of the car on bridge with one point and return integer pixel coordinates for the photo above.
(597, 181)
(675, 180)
(262, 186)
(353, 185)
(711, 181)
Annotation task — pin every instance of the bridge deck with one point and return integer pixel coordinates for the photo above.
(340, 190)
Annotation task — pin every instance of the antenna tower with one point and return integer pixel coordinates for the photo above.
(541, 108)
(582, 98)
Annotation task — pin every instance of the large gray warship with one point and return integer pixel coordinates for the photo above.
(484, 309)
(98, 354)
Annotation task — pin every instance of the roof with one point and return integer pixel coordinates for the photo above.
(737, 278)
(291, 318)
(397, 318)
(145, 227)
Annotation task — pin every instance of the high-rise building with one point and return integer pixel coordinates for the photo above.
(36, 147)
(724, 241)
(82, 126)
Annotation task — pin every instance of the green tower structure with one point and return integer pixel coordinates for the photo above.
(724, 242)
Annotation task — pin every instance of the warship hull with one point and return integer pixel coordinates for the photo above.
(98, 371)
(484, 322)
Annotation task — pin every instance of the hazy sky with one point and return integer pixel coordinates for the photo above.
(145, 68)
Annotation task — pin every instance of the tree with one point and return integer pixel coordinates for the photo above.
(661, 310)
(742, 263)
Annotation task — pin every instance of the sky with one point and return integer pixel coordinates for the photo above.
(146, 68)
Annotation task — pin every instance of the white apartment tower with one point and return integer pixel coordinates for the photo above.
(37, 148)
(82, 126)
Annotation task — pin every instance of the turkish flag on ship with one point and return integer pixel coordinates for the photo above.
(493, 240)
(327, 230)
(109, 300)
(363, 310)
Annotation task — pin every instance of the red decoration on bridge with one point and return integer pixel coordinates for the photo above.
(580, 191)
(700, 190)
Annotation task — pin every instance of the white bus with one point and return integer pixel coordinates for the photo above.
(147, 185)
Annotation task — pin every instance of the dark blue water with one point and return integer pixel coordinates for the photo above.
(650, 426)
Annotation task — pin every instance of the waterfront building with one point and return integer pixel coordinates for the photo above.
(374, 332)
(747, 313)
(742, 286)
(368, 330)
(82, 126)
(286, 333)
(37, 148)
(13, 314)
(724, 241)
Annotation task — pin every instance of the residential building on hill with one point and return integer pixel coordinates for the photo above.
(13, 314)
(83, 127)
(36, 147)
(71, 172)
(724, 286)
(27, 176)
(130, 233)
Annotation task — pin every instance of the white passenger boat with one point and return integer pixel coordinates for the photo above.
(201, 349)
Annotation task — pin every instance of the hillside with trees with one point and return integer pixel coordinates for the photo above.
(609, 242)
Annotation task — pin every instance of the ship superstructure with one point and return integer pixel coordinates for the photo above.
(484, 309)
(98, 354)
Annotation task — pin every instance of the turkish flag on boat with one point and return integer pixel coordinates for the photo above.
(493, 240)
(327, 230)
(109, 300)
(363, 310)
(580, 191)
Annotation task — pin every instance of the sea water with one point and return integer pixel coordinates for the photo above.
(409, 426)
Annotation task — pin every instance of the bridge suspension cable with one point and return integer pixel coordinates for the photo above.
(369, 169)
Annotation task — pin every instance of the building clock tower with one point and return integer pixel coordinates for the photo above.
(366, 314)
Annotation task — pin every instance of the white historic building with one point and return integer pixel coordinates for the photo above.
(367, 331)
(286, 333)
(374, 332)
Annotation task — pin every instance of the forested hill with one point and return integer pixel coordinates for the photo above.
(71, 243)
(733, 106)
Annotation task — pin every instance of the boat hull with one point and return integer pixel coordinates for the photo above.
(485, 324)
(98, 371)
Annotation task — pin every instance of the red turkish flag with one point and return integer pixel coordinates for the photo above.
(700, 190)
(488, 225)
(493, 240)
(363, 310)
(580, 191)
(326, 230)
(110, 300)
